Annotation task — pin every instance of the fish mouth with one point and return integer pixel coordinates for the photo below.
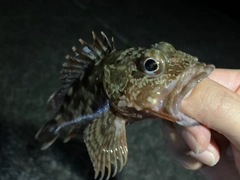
(182, 86)
(192, 77)
(189, 80)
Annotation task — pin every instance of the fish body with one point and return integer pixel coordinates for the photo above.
(103, 89)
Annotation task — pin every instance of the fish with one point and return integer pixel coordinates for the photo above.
(103, 89)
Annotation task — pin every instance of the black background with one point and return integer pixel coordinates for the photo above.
(36, 35)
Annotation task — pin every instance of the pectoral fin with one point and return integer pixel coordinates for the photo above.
(106, 142)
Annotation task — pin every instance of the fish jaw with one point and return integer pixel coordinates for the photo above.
(169, 108)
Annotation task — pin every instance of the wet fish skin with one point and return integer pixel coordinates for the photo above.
(103, 89)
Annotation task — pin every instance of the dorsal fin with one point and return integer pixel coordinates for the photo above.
(76, 65)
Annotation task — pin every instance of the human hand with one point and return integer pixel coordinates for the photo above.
(215, 103)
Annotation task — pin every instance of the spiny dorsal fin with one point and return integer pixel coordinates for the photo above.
(76, 65)
(106, 142)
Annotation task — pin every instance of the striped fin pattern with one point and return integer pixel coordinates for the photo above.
(106, 142)
(75, 66)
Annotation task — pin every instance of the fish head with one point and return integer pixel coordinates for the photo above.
(151, 82)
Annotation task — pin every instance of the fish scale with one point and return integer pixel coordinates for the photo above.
(103, 89)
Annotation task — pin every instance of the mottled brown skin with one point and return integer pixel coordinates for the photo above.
(104, 88)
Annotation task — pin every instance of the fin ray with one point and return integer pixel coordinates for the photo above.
(76, 65)
(47, 134)
(104, 139)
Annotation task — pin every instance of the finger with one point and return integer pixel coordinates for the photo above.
(210, 156)
(224, 169)
(178, 148)
(229, 78)
(216, 107)
(197, 137)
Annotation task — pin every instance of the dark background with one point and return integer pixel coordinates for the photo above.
(36, 35)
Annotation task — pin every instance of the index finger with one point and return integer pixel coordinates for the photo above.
(217, 104)
(229, 78)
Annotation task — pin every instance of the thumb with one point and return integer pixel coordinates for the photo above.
(216, 107)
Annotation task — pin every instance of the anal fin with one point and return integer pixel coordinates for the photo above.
(75, 130)
(47, 134)
(106, 142)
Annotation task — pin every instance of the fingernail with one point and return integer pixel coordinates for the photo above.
(190, 140)
(188, 164)
(205, 157)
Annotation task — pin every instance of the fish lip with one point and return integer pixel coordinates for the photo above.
(192, 77)
(169, 108)
(188, 81)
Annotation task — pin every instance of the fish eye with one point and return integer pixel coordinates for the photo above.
(151, 66)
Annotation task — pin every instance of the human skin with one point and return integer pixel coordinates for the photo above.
(214, 146)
